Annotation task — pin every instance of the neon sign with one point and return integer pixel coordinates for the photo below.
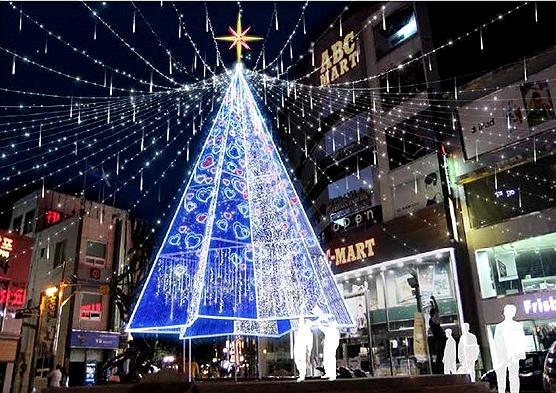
(14, 296)
(52, 217)
(539, 305)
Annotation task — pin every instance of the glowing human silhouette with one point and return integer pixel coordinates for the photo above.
(330, 345)
(449, 358)
(509, 348)
(468, 351)
(302, 347)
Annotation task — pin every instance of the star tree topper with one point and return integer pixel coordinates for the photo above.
(239, 37)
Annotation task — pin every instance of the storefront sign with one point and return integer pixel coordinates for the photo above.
(6, 246)
(352, 252)
(94, 339)
(370, 216)
(539, 305)
(336, 61)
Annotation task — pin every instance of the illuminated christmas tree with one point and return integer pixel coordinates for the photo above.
(240, 256)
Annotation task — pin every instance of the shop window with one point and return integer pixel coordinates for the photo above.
(60, 253)
(400, 26)
(347, 138)
(96, 253)
(516, 268)
(16, 224)
(91, 306)
(513, 192)
(29, 223)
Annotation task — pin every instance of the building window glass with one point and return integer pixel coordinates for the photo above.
(519, 267)
(29, 223)
(96, 253)
(60, 253)
(16, 224)
(399, 85)
(383, 301)
(400, 26)
(513, 192)
(91, 306)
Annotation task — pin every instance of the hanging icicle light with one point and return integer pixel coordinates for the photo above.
(481, 39)
(291, 51)
(105, 80)
(151, 83)
(304, 26)
(108, 114)
(95, 31)
(141, 181)
(133, 26)
(264, 59)
(206, 20)
(168, 132)
(536, 13)
(455, 89)
(42, 189)
(383, 18)
(534, 149)
(430, 63)
(187, 152)
(525, 69)
(341, 30)
(20, 20)
(71, 107)
(276, 16)
(40, 135)
(46, 44)
(78, 113)
(143, 139)
(111, 89)
(179, 28)
(13, 65)
(170, 62)
(117, 163)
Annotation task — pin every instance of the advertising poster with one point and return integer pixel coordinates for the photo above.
(506, 266)
(509, 114)
(416, 186)
(420, 349)
(358, 311)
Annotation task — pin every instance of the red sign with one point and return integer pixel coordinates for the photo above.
(95, 273)
(52, 217)
(6, 246)
(14, 296)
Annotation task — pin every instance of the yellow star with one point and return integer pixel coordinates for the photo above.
(239, 37)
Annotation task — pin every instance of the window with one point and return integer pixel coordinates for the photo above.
(401, 84)
(409, 141)
(59, 253)
(29, 223)
(43, 250)
(492, 200)
(91, 306)
(400, 26)
(519, 267)
(96, 253)
(16, 224)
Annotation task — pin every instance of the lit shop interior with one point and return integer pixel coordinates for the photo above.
(522, 273)
(383, 301)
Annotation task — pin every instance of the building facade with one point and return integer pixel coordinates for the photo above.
(78, 246)
(506, 178)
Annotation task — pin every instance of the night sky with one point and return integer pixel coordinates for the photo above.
(75, 23)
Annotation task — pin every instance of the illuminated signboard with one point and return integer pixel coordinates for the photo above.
(15, 297)
(52, 217)
(351, 252)
(539, 305)
(6, 246)
(336, 61)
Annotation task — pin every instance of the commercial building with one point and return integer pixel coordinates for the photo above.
(15, 258)
(506, 179)
(78, 246)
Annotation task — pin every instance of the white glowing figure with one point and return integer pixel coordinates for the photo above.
(509, 348)
(330, 345)
(302, 347)
(468, 352)
(449, 358)
(240, 256)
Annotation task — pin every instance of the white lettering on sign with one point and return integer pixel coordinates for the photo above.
(539, 305)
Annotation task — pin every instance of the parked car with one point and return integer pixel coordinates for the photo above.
(530, 373)
(549, 371)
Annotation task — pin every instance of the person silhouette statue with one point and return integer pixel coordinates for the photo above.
(468, 351)
(449, 357)
(302, 347)
(509, 349)
(330, 345)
